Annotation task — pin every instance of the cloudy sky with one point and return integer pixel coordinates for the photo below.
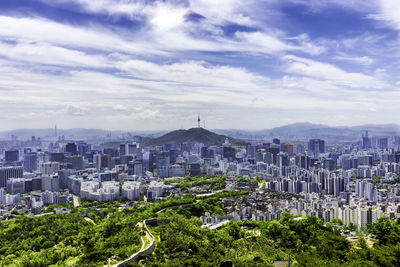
(151, 65)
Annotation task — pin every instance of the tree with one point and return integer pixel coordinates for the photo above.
(386, 231)
(15, 212)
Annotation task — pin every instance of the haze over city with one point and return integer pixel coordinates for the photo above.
(153, 65)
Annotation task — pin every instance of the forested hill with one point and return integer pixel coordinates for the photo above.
(72, 240)
(199, 135)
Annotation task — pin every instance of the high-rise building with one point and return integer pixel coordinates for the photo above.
(49, 168)
(274, 149)
(316, 146)
(135, 167)
(11, 155)
(288, 148)
(228, 152)
(251, 151)
(282, 159)
(63, 177)
(76, 162)
(148, 161)
(383, 143)
(195, 169)
(329, 164)
(16, 185)
(2, 195)
(50, 183)
(9, 172)
(82, 148)
(132, 149)
(276, 141)
(57, 157)
(130, 190)
(102, 161)
(302, 161)
(113, 152)
(366, 142)
(122, 149)
(300, 149)
(162, 164)
(30, 162)
(71, 148)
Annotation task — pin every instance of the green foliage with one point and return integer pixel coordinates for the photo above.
(214, 182)
(199, 135)
(337, 221)
(58, 239)
(386, 231)
(73, 240)
(15, 212)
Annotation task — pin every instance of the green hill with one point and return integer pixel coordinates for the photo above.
(199, 135)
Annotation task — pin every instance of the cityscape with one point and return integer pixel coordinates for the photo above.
(199, 133)
(354, 183)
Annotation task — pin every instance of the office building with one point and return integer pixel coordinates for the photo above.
(287, 148)
(11, 155)
(9, 172)
(71, 148)
(76, 162)
(316, 146)
(162, 164)
(16, 185)
(130, 190)
(30, 162)
(49, 168)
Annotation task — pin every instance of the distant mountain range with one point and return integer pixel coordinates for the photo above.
(296, 131)
(306, 130)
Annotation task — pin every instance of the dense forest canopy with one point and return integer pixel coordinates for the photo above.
(75, 239)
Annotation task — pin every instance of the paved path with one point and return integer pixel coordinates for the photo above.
(149, 248)
(216, 225)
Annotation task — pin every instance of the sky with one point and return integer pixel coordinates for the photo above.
(154, 65)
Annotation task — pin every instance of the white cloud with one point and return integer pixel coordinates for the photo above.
(158, 75)
(43, 53)
(389, 11)
(32, 30)
(321, 5)
(75, 110)
(165, 90)
(364, 60)
(164, 17)
(329, 72)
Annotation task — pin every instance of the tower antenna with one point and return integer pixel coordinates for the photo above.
(198, 120)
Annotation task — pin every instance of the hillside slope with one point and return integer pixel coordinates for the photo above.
(199, 135)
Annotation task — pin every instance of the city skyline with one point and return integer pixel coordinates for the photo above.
(139, 65)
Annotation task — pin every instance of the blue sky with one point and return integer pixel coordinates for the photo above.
(153, 65)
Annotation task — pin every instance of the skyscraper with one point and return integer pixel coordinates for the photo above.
(162, 163)
(316, 146)
(71, 148)
(366, 142)
(9, 172)
(30, 162)
(11, 155)
(383, 143)
(288, 148)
